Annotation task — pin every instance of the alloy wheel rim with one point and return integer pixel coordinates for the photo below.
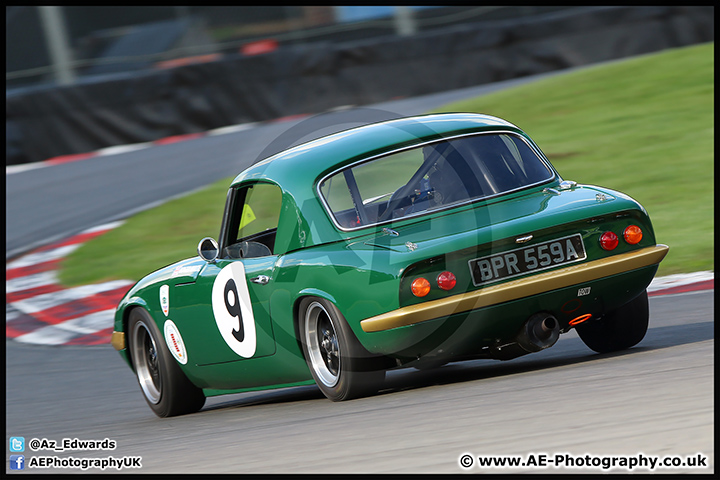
(145, 355)
(322, 342)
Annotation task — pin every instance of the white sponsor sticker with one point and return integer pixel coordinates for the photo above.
(165, 299)
(186, 271)
(175, 342)
(233, 310)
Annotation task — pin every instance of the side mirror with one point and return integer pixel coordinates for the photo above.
(208, 249)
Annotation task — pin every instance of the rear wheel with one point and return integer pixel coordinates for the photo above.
(165, 387)
(341, 367)
(619, 329)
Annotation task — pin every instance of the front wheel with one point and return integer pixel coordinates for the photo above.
(165, 387)
(341, 367)
(619, 329)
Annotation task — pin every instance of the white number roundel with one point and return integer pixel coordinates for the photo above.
(233, 310)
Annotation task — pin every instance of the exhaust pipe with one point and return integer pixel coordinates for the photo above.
(541, 331)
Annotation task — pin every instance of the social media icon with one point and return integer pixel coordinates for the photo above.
(17, 462)
(17, 444)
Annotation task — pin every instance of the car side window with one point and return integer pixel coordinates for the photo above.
(255, 220)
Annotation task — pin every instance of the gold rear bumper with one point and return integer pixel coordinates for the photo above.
(516, 289)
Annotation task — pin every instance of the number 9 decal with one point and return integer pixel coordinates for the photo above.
(233, 310)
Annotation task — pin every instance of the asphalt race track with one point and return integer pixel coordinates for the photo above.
(654, 400)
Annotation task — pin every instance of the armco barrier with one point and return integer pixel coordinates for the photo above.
(96, 113)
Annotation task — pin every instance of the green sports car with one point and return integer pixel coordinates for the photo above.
(411, 242)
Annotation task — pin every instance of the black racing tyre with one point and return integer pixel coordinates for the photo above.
(165, 387)
(341, 367)
(619, 329)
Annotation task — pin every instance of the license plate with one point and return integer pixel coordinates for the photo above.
(535, 258)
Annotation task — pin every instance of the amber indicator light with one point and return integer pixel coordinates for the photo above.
(632, 234)
(420, 287)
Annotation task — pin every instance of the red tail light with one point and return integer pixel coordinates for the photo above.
(608, 241)
(446, 280)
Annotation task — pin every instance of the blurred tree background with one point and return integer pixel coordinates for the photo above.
(95, 38)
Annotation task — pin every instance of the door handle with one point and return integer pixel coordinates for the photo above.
(260, 279)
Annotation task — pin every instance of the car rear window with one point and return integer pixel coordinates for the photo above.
(431, 177)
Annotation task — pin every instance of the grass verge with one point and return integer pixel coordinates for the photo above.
(644, 126)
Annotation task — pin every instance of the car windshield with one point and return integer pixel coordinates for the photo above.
(431, 177)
